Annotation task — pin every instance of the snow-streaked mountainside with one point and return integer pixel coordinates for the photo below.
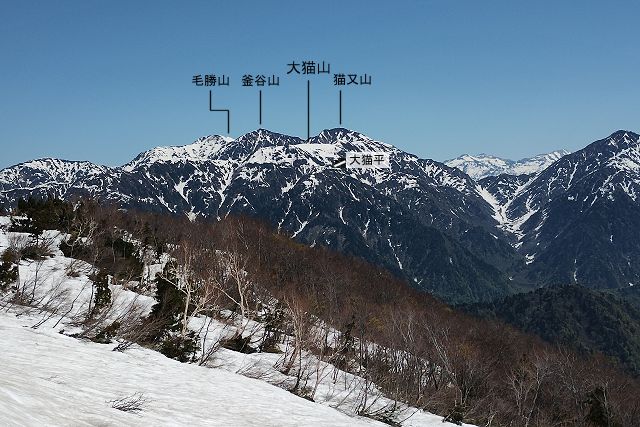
(484, 165)
(52, 175)
(577, 221)
(433, 224)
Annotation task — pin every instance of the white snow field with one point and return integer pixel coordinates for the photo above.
(50, 379)
(47, 378)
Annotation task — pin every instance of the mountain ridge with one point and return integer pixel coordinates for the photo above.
(484, 165)
(292, 184)
(448, 234)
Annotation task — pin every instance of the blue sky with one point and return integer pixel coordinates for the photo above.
(103, 81)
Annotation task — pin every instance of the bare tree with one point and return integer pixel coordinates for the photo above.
(196, 274)
(526, 382)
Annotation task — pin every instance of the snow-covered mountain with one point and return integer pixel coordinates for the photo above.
(577, 221)
(430, 223)
(484, 165)
(413, 218)
(46, 175)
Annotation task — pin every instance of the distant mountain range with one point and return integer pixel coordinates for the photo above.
(462, 239)
(484, 165)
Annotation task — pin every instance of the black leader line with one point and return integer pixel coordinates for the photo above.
(225, 111)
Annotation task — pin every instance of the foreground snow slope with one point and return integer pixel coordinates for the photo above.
(47, 378)
(50, 378)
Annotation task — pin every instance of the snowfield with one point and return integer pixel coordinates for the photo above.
(47, 378)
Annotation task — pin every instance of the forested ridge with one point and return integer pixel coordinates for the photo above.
(584, 319)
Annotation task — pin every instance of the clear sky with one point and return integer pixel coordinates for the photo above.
(103, 81)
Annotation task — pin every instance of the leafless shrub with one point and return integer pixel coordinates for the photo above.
(31, 295)
(140, 333)
(121, 319)
(133, 403)
(76, 267)
(52, 303)
(388, 413)
(18, 241)
(209, 347)
(255, 371)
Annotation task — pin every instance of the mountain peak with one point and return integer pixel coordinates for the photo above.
(269, 137)
(624, 139)
(332, 136)
(619, 134)
(620, 144)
